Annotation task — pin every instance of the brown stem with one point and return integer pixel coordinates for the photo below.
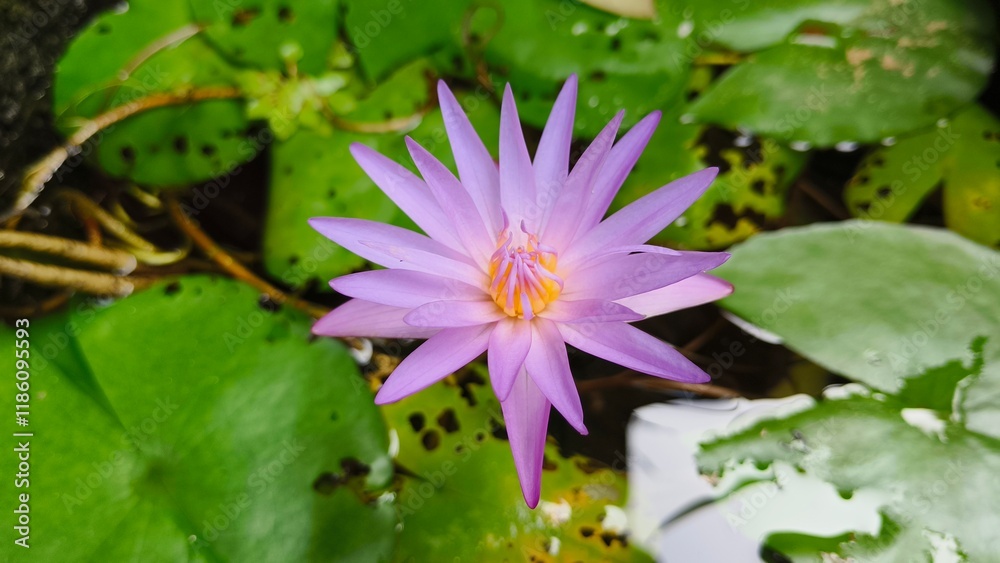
(641, 381)
(709, 333)
(115, 260)
(85, 207)
(823, 199)
(40, 172)
(215, 253)
(94, 283)
(390, 126)
(93, 230)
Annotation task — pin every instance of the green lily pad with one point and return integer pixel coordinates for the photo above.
(622, 63)
(852, 296)
(165, 147)
(749, 192)
(892, 69)
(188, 423)
(384, 35)
(933, 472)
(271, 34)
(961, 155)
(460, 494)
(314, 175)
(751, 26)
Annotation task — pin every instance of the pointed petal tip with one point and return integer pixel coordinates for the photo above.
(532, 494)
(315, 222)
(386, 395)
(730, 288)
(444, 91)
(357, 147)
(383, 399)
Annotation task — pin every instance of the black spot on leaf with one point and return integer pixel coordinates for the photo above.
(448, 421)
(417, 421)
(431, 440)
(128, 154)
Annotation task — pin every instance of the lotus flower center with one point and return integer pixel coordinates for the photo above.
(522, 277)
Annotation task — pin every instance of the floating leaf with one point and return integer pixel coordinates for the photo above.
(852, 297)
(385, 35)
(961, 155)
(746, 26)
(931, 470)
(272, 34)
(625, 64)
(314, 175)
(188, 422)
(892, 69)
(461, 494)
(151, 44)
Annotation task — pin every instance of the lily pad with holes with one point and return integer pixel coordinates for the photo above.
(852, 297)
(622, 63)
(961, 155)
(402, 96)
(460, 494)
(931, 470)
(189, 423)
(895, 67)
(152, 48)
(386, 34)
(749, 193)
(314, 175)
(272, 34)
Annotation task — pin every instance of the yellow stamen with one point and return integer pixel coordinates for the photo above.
(522, 278)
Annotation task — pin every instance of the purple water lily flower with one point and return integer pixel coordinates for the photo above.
(517, 262)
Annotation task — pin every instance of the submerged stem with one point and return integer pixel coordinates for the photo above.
(215, 253)
(107, 258)
(94, 283)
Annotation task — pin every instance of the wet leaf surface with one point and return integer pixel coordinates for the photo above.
(851, 297)
(892, 68)
(931, 469)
